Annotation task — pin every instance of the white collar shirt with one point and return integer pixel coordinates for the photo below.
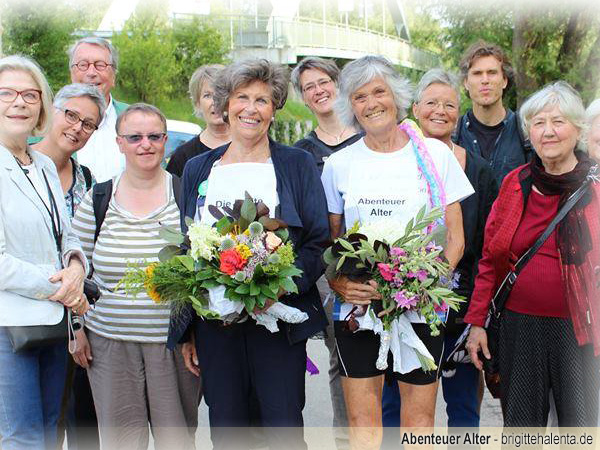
(101, 153)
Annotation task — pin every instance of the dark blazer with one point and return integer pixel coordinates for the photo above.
(302, 205)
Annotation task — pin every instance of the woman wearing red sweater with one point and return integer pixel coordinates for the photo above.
(550, 329)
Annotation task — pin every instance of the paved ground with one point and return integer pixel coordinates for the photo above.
(318, 412)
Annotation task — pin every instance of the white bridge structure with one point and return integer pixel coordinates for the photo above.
(284, 37)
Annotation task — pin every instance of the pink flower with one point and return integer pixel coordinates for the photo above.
(422, 275)
(441, 308)
(385, 272)
(397, 251)
(405, 302)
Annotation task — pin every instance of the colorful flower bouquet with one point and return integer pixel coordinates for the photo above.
(244, 262)
(411, 275)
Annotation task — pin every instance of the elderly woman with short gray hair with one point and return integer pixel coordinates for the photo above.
(436, 108)
(243, 359)
(549, 339)
(385, 166)
(78, 110)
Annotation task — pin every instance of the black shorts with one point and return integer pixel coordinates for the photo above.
(358, 354)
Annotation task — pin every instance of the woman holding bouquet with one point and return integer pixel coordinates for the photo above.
(240, 357)
(549, 339)
(391, 173)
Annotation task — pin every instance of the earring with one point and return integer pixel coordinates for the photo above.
(225, 114)
(272, 119)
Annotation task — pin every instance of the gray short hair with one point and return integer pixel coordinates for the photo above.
(592, 111)
(19, 63)
(207, 72)
(327, 66)
(359, 72)
(77, 90)
(437, 76)
(241, 73)
(561, 94)
(143, 108)
(101, 42)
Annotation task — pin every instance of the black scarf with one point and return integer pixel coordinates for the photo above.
(573, 234)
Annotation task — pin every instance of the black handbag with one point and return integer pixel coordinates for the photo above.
(492, 324)
(24, 338)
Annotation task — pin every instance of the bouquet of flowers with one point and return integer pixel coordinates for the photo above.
(411, 275)
(239, 264)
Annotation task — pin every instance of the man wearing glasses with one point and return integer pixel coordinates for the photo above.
(93, 60)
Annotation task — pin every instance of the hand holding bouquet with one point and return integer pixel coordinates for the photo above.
(410, 272)
(241, 263)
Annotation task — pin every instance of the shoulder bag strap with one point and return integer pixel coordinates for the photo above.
(176, 185)
(499, 301)
(101, 198)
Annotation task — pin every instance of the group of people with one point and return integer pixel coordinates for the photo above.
(89, 198)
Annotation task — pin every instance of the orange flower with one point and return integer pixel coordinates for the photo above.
(231, 262)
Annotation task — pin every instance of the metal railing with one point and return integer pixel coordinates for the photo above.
(338, 39)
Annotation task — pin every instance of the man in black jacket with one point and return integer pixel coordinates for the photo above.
(490, 129)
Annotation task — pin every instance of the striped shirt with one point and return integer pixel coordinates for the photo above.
(125, 239)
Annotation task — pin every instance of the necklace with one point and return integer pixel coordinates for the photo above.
(337, 137)
(21, 163)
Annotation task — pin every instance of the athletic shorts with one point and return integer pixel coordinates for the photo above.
(358, 352)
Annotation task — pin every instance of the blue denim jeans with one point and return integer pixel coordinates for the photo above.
(461, 392)
(31, 389)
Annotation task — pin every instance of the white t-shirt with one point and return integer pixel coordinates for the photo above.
(368, 186)
(228, 183)
(101, 153)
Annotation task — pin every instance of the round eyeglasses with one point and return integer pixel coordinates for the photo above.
(100, 66)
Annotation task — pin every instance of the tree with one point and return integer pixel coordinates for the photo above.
(545, 42)
(147, 66)
(196, 43)
(42, 30)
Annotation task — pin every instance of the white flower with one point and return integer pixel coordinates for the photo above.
(203, 239)
(383, 230)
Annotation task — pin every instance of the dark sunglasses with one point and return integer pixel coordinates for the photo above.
(136, 138)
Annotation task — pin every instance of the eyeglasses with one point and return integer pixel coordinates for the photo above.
(100, 66)
(137, 138)
(73, 118)
(31, 96)
(322, 83)
(433, 104)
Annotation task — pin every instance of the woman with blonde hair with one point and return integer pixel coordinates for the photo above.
(42, 267)
(216, 132)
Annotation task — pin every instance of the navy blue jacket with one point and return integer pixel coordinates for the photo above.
(302, 205)
(511, 151)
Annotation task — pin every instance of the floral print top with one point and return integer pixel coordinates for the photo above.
(78, 189)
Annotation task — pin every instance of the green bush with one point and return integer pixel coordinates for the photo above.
(42, 30)
(147, 66)
(196, 42)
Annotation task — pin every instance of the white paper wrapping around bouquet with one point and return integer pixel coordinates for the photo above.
(401, 340)
(230, 310)
(279, 311)
(227, 309)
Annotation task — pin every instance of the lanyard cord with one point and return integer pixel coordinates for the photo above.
(52, 212)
